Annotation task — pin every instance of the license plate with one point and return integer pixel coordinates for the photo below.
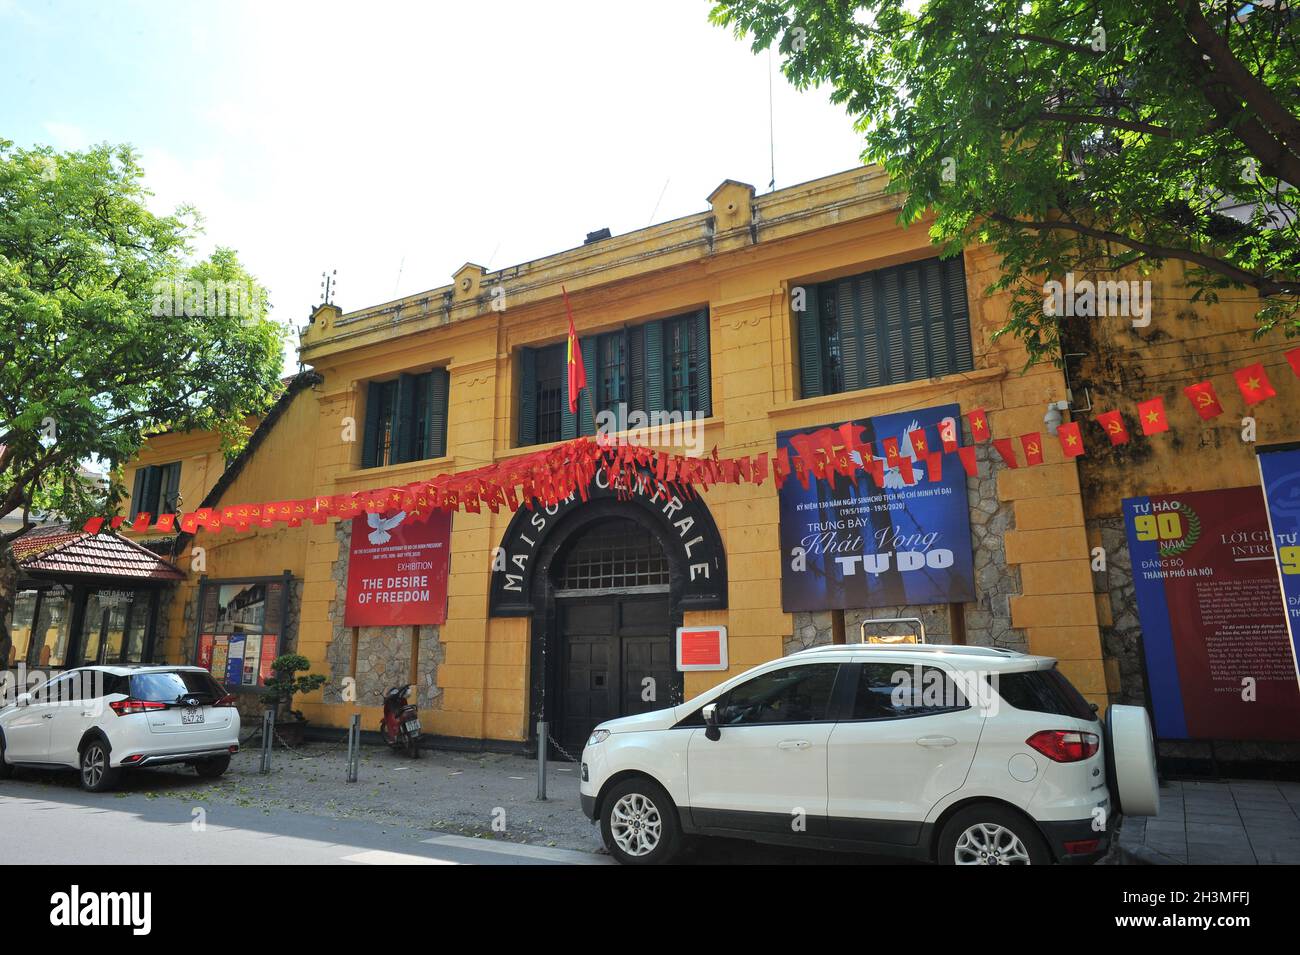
(412, 726)
(191, 714)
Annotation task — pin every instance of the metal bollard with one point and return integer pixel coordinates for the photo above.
(542, 739)
(268, 731)
(354, 747)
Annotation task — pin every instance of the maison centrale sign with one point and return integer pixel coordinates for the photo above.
(682, 524)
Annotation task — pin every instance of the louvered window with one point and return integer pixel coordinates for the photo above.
(903, 323)
(659, 366)
(406, 419)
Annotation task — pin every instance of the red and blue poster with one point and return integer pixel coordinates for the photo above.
(849, 543)
(1279, 469)
(1218, 657)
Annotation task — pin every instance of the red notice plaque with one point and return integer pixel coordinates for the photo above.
(701, 648)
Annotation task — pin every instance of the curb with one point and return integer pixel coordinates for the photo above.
(1141, 855)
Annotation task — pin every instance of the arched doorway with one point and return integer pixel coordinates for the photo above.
(614, 629)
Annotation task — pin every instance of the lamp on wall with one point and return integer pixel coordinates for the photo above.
(1052, 420)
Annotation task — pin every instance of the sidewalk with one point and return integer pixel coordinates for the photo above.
(1230, 822)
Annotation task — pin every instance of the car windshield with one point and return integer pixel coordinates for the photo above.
(171, 685)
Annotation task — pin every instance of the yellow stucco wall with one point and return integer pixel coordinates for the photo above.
(740, 258)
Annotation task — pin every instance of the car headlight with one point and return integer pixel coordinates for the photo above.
(597, 736)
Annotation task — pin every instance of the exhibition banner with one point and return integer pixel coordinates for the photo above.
(1219, 662)
(849, 542)
(397, 570)
(1279, 470)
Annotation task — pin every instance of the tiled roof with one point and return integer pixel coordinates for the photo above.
(94, 555)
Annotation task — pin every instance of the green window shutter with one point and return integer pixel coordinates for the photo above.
(700, 366)
(654, 366)
(636, 369)
(810, 347)
(152, 490)
(370, 441)
(404, 419)
(587, 400)
(172, 488)
(568, 420)
(137, 491)
(957, 310)
(527, 397)
(435, 434)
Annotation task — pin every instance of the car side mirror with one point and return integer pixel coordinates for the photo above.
(710, 714)
(24, 699)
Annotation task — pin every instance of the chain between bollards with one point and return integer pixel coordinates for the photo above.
(354, 747)
(543, 738)
(268, 731)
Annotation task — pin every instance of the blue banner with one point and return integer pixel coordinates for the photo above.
(1280, 473)
(849, 544)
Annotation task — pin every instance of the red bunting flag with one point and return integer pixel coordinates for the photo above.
(93, 525)
(1071, 439)
(967, 456)
(141, 523)
(165, 523)
(1113, 423)
(1032, 444)
(948, 434)
(1007, 451)
(934, 466)
(1204, 400)
(1293, 358)
(905, 471)
(979, 424)
(891, 451)
(190, 523)
(1254, 383)
(920, 446)
(1151, 414)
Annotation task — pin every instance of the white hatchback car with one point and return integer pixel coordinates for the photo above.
(103, 719)
(960, 755)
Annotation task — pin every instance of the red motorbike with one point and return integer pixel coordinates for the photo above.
(400, 726)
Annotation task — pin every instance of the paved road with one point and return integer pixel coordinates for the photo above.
(52, 825)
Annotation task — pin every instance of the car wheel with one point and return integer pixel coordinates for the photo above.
(638, 823)
(97, 774)
(988, 834)
(212, 768)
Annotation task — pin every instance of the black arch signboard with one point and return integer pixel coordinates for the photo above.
(682, 524)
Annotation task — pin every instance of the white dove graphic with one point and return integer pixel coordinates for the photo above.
(893, 477)
(382, 525)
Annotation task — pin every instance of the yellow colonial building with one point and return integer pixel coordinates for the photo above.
(801, 308)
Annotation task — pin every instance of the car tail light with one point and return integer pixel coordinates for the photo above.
(1081, 847)
(127, 707)
(227, 700)
(1065, 746)
(134, 758)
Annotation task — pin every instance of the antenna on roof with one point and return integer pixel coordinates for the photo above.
(401, 265)
(328, 286)
(771, 121)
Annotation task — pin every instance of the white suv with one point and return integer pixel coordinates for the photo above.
(960, 755)
(103, 719)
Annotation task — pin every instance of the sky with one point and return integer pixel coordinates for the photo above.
(393, 142)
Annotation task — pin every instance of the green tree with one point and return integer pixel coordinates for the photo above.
(109, 332)
(1073, 135)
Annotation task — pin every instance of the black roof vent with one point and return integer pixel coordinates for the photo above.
(597, 236)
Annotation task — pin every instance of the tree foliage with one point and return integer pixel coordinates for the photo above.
(108, 332)
(1079, 136)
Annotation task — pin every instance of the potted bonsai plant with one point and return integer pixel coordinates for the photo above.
(290, 724)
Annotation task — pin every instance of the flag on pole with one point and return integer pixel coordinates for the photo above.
(577, 371)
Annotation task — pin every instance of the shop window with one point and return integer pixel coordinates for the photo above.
(156, 489)
(655, 367)
(904, 323)
(39, 627)
(240, 629)
(406, 419)
(115, 626)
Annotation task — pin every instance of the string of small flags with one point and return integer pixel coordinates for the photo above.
(831, 453)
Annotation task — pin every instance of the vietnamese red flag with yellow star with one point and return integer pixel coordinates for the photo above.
(1151, 414)
(1071, 439)
(1204, 399)
(577, 371)
(1254, 383)
(920, 444)
(979, 424)
(1113, 423)
(93, 526)
(1032, 444)
(1293, 359)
